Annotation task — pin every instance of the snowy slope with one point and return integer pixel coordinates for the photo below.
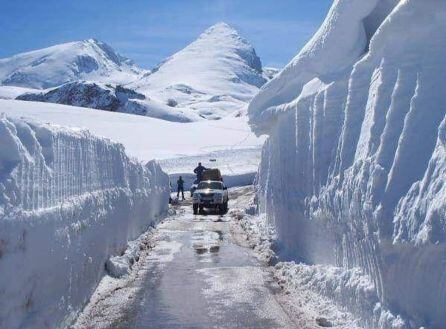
(81, 60)
(143, 137)
(68, 202)
(108, 97)
(11, 92)
(270, 72)
(215, 75)
(352, 174)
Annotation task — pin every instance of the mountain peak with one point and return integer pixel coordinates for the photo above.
(79, 60)
(219, 27)
(221, 37)
(220, 30)
(215, 75)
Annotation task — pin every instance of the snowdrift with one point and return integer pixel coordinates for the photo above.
(352, 174)
(68, 201)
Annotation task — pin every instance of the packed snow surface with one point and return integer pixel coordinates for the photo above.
(80, 60)
(68, 202)
(11, 92)
(148, 138)
(214, 75)
(352, 173)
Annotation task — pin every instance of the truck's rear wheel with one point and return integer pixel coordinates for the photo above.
(195, 208)
(201, 209)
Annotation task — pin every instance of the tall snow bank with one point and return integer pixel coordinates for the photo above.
(68, 201)
(352, 173)
(336, 45)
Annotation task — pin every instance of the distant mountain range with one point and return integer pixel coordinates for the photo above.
(214, 76)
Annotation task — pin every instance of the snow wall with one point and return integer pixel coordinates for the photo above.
(68, 201)
(353, 172)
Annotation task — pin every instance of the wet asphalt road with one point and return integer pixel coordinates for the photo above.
(195, 276)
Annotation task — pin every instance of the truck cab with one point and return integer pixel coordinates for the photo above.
(211, 194)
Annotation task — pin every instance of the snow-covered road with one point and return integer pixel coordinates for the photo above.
(193, 275)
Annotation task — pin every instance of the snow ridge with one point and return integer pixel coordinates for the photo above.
(109, 97)
(352, 173)
(80, 60)
(68, 201)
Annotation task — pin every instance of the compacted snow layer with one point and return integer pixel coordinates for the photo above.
(352, 174)
(68, 201)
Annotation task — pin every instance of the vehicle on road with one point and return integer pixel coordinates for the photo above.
(212, 195)
(207, 174)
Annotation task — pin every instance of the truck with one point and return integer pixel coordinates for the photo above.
(211, 193)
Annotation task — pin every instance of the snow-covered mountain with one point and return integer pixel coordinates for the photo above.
(352, 175)
(81, 60)
(215, 75)
(109, 97)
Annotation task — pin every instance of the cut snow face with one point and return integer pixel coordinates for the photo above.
(81, 60)
(68, 201)
(214, 75)
(352, 174)
(337, 45)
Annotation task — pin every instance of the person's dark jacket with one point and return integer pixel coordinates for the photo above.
(180, 183)
(199, 171)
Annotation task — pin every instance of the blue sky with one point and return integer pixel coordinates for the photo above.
(149, 31)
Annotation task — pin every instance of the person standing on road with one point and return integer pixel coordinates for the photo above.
(180, 187)
(199, 172)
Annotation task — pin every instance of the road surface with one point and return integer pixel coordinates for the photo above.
(193, 275)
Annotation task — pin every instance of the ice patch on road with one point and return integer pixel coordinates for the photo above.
(165, 251)
(242, 287)
(206, 241)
